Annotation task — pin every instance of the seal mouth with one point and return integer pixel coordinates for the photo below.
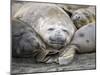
(57, 42)
(56, 45)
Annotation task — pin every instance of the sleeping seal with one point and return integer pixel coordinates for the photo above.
(52, 24)
(56, 30)
(83, 16)
(26, 42)
(49, 21)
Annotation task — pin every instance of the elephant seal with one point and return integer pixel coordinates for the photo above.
(56, 30)
(84, 41)
(49, 21)
(85, 38)
(26, 42)
(52, 24)
(83, 16)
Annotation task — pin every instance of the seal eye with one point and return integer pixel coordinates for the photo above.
(50, 29)
(65, 30)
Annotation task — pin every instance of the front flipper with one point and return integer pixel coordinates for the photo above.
(64, 57)
(67, 55)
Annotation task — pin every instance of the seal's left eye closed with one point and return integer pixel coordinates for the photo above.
(65, 31)
(51, 29)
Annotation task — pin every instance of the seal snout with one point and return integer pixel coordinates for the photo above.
(58, 37)
(57, 40)
(76, 17)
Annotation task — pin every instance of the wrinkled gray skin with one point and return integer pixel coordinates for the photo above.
(25, 41)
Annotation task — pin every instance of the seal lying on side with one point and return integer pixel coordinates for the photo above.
(51, 23)
(26, 42)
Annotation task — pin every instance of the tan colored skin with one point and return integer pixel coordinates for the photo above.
(83, 16)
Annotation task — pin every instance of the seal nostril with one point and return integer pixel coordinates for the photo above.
(78, 17)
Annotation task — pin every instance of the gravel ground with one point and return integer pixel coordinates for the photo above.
(27, 65)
